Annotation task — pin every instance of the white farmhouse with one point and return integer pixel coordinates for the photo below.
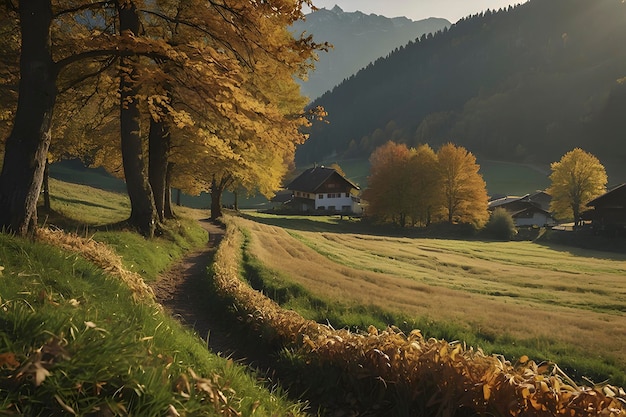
(322, 189)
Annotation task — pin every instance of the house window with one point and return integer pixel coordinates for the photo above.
(331, 208)
(346, 209)
(347, 195)
(320, 197)
(321, 208)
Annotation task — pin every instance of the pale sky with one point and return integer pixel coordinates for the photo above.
(452, 10)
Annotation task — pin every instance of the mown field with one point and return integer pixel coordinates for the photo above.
(517, 298)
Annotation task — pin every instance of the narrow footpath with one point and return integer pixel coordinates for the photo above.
(180, 291)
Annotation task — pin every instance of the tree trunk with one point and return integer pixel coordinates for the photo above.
(169, 212)
(217, 190)
(216, 202)
(46, 187)
(26, 147)
(143, 213)
(158, 149)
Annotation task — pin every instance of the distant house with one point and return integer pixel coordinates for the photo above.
(608, 211)
(528, 210)
(322, 189)
(540, 198)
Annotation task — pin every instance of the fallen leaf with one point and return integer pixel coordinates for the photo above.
(9, 360)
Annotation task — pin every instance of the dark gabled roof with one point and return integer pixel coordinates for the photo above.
(282, 197)
(313, 178)
(615, 196)
(531, 208)
(513, 203)
(506, 200)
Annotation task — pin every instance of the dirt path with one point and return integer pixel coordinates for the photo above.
(180, 290)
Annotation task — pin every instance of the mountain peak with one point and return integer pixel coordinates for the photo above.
(358, 40)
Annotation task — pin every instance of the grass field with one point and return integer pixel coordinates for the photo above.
(559, 303)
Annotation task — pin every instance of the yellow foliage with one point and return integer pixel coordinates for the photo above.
(417, 186)
(576, 179)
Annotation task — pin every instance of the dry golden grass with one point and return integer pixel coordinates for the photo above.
(517, 288)
(446, 375)
(102, 256)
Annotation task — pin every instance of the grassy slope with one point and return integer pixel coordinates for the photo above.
(74, 339)
(515, 298)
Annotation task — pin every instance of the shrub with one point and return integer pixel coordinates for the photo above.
(501, 225)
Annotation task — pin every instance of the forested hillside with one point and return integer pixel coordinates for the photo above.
(523, 84)
(358, 39)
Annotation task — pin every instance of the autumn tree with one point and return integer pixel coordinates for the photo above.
(425, 190)
(463, 190)
(224, 42)
(54, 36)
(576, 179)
(389, 191)
(27, 144)
(239, 91)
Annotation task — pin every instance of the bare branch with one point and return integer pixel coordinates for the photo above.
(88, 6)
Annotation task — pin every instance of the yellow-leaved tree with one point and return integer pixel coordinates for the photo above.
(180, 64)
(425, 184)
(389, 194)
(576, 179)
(463, 190)
(418, 186)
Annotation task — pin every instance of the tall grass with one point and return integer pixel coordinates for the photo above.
(76, 340)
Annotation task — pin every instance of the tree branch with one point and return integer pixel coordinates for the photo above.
(202, 30)
(97, 53)
(107, 64)
(89, 6)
